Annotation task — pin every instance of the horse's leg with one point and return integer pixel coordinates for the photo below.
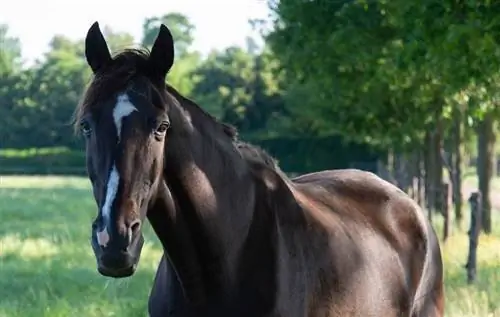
(166, 297)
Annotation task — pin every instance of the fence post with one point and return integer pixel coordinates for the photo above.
(443, 201)
(474, 231)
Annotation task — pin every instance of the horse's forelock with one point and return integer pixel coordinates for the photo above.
(114, 78)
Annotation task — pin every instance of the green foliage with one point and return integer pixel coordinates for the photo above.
(57, 160)
(181, 75)
(37, 103)
(246, 87)
(10, 51)
(322, 153)
(180, 27)
(117, 41)
(379, 72)
(240, 88)
(386, 71)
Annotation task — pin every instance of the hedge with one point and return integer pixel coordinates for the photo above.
(297, 155)
(305, 155)
(56, 160)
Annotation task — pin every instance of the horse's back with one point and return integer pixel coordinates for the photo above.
(384, 231)
(362, 200)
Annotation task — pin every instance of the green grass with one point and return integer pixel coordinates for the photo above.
(33, 151)
(46, 264)
(47, 267)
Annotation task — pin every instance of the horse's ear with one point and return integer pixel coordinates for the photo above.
(161, 58)
(96, 49)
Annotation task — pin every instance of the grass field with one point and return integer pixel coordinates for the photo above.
(47, 267)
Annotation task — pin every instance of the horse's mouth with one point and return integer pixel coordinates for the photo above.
(117, 272)
(118, 264)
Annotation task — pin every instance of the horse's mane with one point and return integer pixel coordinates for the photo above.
(256, 154)
(258, 157)
(227, 129)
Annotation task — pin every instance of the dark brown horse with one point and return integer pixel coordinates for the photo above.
(240, 238)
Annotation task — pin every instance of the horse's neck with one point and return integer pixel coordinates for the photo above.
(209, 199)
(196, 249)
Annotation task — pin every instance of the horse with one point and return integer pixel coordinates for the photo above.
(239, 237)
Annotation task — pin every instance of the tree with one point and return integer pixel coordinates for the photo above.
(388, 72)
(10, 51)
(117, 40)
(185, 61)
(51, 91)
(240, 88)
(180, 27)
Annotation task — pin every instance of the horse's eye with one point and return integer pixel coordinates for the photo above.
(162, 128)
(85, 128)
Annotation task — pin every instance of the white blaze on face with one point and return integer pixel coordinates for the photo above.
(122, 109)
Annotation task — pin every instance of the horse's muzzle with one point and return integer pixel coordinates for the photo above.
(118, 263)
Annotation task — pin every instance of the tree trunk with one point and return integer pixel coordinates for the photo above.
(402, 173)
(395, 169)
(456, 165)
(445, 210)
(437, 145)
(390, 167)
(485, 156)
(420, 178)
(475, 229)
(413, 168)
(428, 197)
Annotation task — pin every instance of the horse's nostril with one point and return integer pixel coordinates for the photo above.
(135, 226)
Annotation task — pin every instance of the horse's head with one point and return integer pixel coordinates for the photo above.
(124, 117)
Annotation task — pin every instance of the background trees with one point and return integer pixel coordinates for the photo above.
(415, 81)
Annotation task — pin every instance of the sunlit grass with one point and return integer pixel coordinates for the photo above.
(47, 267)
(26, 248)
(482, 298)
(45, 182)
(46, 263)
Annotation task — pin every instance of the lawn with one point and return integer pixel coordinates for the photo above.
(47, 267)
(46, 264)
